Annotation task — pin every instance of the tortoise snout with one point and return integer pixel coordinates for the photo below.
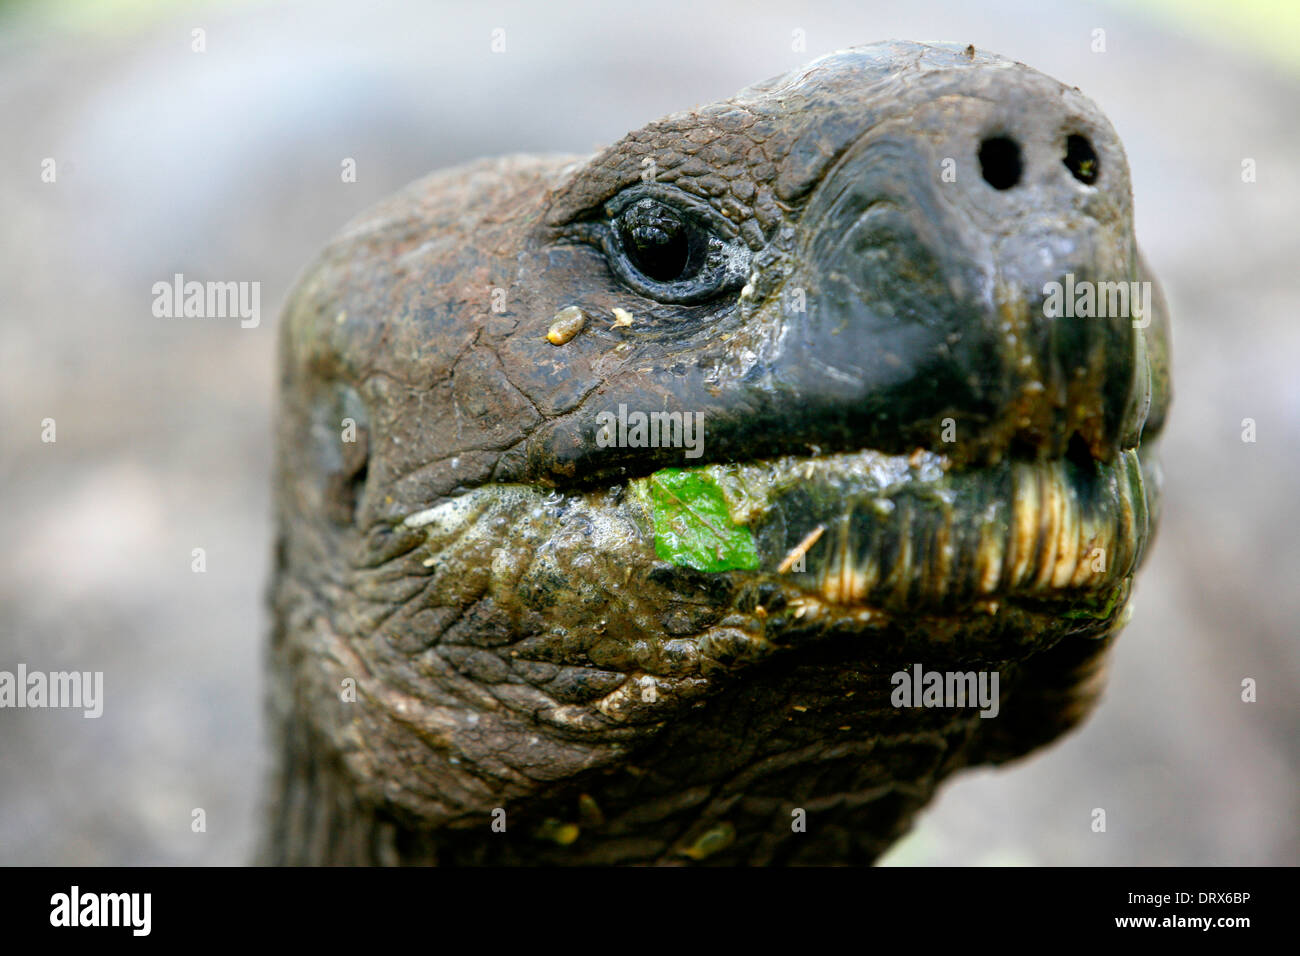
(972, 261)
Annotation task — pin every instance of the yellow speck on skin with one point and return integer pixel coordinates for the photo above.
(622, 318)
(557, 832)
(716, 838)
(567, 323)
(589, 811)
(800, 707)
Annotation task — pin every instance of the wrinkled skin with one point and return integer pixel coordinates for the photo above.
(470, 611)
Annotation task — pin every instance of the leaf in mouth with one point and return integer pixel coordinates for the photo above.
(693, 526)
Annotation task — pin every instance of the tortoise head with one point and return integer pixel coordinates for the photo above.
(619, 491)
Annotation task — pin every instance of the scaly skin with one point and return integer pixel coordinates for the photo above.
(870, 354)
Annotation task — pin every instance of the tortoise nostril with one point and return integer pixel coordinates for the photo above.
(1000, 161)
(1081, 159)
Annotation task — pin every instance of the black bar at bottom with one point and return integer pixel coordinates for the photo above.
(666, 907)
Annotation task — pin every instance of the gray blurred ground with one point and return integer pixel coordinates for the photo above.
(225, 165)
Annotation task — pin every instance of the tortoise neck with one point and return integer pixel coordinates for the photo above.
(315, 819)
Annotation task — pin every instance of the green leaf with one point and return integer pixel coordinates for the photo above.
(693, 526)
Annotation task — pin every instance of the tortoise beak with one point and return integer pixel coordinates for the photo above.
(941, 309)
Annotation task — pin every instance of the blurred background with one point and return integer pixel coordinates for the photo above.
(225, 165)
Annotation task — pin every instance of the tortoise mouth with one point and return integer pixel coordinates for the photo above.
(845, 534)
(866, 529)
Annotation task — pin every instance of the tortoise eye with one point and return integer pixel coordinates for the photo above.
(670, 246)
(656, 241)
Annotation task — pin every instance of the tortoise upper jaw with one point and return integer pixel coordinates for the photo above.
(932, 301)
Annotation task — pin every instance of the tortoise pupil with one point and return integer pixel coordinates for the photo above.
(656, 240)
